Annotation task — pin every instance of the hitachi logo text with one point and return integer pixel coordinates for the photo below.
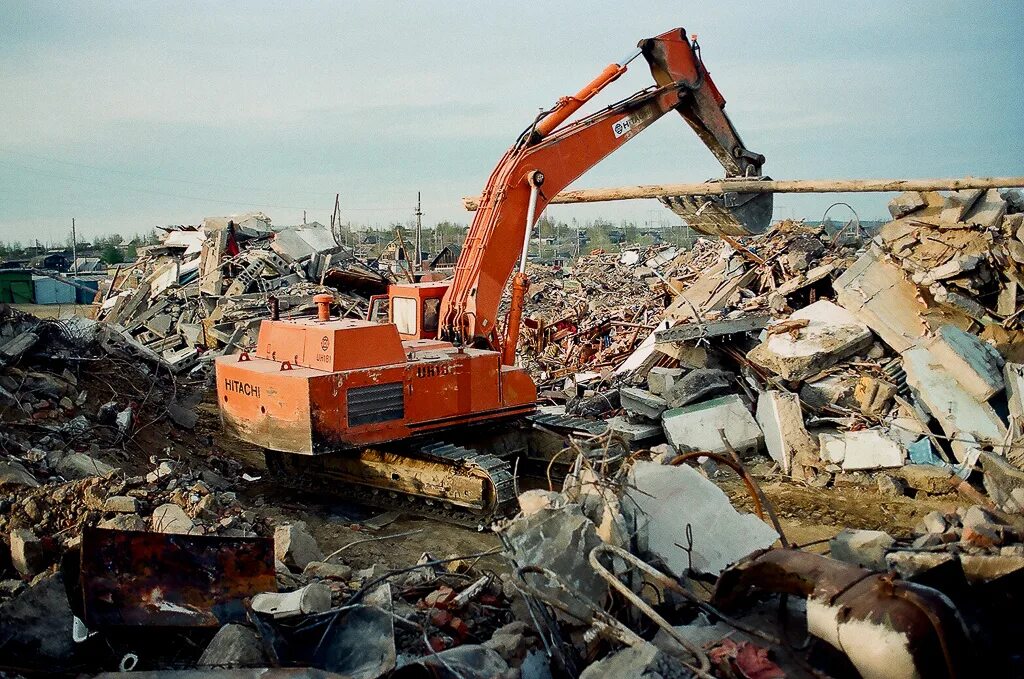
(240, 387)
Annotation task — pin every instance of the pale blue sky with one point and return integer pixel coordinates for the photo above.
(130, 114)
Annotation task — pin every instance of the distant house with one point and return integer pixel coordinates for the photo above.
(446, 258)
(89, 265)
(53, 261)
(616, 236)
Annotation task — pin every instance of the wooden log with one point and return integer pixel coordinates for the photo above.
(774, 186)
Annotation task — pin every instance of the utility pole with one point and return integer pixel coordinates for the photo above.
(419, 233)
(74, 246)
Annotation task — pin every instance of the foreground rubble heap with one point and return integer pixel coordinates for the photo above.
(206, 288)
(899, 355)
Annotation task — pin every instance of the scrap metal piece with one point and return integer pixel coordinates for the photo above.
(887, 627)
(137, 578)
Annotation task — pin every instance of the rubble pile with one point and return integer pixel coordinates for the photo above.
(205, 289)
(898, 360)
(593, 315)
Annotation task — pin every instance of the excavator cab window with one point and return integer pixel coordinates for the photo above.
(403, 315)
(378, 311)
(431, 315)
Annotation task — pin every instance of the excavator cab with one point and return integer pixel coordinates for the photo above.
(414, 308)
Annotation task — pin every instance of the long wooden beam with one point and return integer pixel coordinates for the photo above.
(774, 186)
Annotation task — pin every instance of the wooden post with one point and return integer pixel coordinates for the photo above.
(774, 186)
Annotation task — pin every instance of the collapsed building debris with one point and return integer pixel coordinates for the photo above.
(205, 289)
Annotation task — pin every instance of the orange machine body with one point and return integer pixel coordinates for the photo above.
(317, 386)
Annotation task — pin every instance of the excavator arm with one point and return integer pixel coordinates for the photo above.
(549, 156)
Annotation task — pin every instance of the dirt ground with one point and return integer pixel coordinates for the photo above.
(807, 514)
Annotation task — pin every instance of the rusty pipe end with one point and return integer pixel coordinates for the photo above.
(323, 306)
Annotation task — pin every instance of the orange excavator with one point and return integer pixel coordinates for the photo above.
(402, 410)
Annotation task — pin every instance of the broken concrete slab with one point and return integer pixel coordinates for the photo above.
(13, 473)
(781, 421)
(865, 548)
(699, 385)
(976, 365)
(667, 499)
(634, 432)
(234, 645)
(36, 628)
(862, 449)
(905, 203)
(295, 547)
(927, 478)
(878, 293)
(832, 333)
(128, 522)
(82, 466)
(696, 426)
(660, 380)
(559, 540)
(642, 403)
(958, 412)
(988, 211)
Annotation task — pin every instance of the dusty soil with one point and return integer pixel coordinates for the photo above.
(807, 514)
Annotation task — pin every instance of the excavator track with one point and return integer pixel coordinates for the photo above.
(438, 480)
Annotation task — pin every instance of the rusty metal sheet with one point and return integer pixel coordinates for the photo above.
(137, 578)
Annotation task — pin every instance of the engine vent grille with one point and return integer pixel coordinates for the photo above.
(376, 403)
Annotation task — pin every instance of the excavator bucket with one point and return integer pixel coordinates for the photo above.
(726, 214)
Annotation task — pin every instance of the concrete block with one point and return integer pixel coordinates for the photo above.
(905, 203)
(13, 473)
(864, 449)
(121, 504)
(876, 291)
(668, 498)
(27, 555)
(561, 541)
(926, 478)
(170, 518)
(124, 522)
(699, 385)
(660, 380)
(988, 211)
(81, 466)
(234, 646)
(831, 335)
(865, 548)
(976, 365)
(295, 547)
(958, 412)
(643, 403)
(635, 432)
(782, 424)
(696, 427)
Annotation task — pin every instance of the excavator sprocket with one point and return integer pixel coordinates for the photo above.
(437, 479)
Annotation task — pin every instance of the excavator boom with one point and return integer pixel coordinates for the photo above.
(549, 156)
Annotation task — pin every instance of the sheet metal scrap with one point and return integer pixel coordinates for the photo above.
(136, 578)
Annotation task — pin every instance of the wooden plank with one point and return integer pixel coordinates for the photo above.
(774, 186)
